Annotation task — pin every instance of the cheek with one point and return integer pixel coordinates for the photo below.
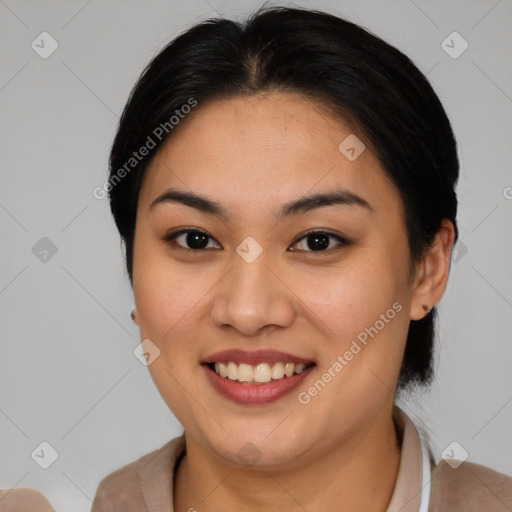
(360, 307)
(347, 296)
(166, 294)
(168, 299)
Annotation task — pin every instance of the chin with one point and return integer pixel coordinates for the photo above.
(258, 450)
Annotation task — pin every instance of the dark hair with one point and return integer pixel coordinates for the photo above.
(352, 73)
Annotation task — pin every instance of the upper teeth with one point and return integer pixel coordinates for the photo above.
(262, 372)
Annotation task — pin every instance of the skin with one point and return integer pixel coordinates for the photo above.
(253, 155)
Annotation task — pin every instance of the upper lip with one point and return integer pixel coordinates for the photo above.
(254, 357)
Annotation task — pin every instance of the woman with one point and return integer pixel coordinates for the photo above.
(284, 189)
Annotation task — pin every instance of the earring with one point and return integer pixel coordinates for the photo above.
(133, 314)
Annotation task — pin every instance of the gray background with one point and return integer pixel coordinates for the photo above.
(68, 375)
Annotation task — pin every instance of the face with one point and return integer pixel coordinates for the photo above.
(321, 283)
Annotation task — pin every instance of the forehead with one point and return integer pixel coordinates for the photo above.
(263, 148)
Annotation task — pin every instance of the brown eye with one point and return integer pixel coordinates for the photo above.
(320, 241)
(191, 239)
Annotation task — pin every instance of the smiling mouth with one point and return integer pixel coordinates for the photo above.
(258, 374)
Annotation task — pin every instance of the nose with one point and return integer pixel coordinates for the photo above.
(252, 297)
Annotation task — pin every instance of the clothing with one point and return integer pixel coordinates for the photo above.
(146, 484)
(21, 499)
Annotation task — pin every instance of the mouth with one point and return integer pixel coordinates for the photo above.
(256, 377)
(259, 374)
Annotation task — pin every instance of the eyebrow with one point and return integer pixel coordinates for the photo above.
(301, 205)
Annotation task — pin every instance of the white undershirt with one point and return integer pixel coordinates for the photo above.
(425, 479)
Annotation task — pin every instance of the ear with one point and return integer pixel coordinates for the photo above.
(134, 316)
(432, 272)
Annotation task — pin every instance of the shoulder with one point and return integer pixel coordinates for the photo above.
(23, 498)
(123, 489)
(469, 487)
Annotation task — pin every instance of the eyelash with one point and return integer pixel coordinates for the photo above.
(343, 242)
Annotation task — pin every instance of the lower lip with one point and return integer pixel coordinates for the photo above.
(255, 393)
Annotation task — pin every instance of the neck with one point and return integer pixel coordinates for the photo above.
(357, 474)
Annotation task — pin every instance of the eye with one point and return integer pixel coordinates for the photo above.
(197, 240)
(190, 239)
(319, 241)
